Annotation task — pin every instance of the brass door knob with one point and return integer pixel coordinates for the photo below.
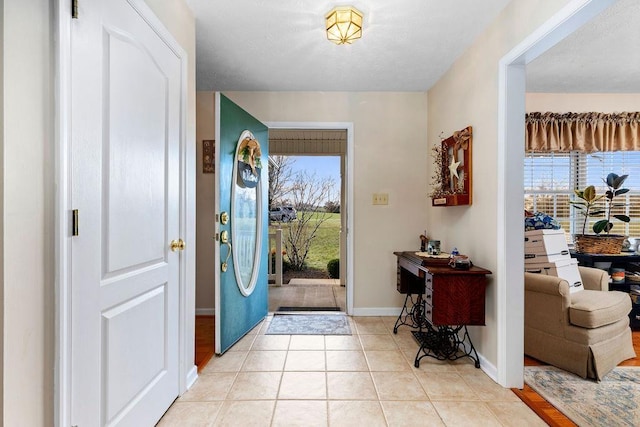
(224, 218)
(177, 245)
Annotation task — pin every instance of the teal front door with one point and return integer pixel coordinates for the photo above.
(242, 152)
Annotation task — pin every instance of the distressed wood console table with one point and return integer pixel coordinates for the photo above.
(440, 301)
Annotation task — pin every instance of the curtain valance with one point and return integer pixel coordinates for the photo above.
(585, 132)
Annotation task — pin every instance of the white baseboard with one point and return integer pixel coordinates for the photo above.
(205, 311)
(377, 311)
(488, 368)
(192, 376)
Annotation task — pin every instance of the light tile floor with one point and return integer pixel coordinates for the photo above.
(367, 379)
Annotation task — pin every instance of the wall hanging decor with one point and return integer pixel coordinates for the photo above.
(208, 155)
(451, 181)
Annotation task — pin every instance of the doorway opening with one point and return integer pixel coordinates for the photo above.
(511, 110)
(306, 207)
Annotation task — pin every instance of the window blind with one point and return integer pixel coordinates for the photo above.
(551, 178)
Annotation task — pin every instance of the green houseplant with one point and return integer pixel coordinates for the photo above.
(588, 204)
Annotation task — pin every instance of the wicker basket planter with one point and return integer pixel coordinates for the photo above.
(596, 244)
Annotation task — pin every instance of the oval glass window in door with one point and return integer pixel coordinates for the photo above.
(246, 212)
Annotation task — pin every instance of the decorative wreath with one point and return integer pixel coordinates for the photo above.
(250, 154)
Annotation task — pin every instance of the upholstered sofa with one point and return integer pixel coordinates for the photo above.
(585, 332)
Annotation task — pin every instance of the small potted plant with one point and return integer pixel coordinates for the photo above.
(588, 205)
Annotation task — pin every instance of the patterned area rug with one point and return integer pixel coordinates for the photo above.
(309, 324)
(614, 401)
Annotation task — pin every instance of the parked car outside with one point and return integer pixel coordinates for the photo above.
(275, 214)
(283, 214)
(291, 212)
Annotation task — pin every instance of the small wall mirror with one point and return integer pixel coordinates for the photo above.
(246, 212)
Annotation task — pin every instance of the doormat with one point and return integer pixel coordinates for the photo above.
(309, 324)
(309, 309)
(614, 401)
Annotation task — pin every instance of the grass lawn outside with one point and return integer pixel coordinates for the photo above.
(324, 247)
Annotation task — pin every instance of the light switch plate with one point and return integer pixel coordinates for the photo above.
(380, 198)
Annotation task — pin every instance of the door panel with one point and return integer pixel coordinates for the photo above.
(136, 129)
(126, 326)
(236, 314)
(125, 176)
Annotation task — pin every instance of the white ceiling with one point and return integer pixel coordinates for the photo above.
(601, 57)
(407, 45)
(280, 45)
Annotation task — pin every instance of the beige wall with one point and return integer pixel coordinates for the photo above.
(205, 218)
(468, 95)
(2, 38)
(583, 102)
(28, 277)
(28, 193)
(390, 148)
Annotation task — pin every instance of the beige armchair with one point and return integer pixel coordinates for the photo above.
(586, 332)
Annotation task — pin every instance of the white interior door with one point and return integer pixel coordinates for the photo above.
(125, 142)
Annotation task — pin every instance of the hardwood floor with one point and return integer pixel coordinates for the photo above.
(544, 409)
(204, 340)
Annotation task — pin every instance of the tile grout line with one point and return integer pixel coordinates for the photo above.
(400, 347)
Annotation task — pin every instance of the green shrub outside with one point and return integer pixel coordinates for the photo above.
(333, 267)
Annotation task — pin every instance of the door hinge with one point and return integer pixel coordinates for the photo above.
(74, 222)
(74, 9)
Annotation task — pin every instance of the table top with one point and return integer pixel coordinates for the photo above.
(436, 266)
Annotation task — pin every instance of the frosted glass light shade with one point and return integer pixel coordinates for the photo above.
(344, 24)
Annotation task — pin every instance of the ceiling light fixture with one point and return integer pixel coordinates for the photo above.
(344, 24)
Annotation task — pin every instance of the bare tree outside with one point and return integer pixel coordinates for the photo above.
(308, 194)
(280, 178)
(313, 200)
